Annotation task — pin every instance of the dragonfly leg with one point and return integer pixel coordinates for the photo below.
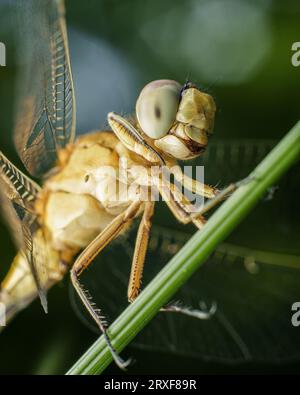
(182, 208)
(87, 257)
(178, 204)
(138, 266)
(140, 251)
(222, 195)
(175, 205)
(192, 185)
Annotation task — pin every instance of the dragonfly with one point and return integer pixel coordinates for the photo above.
(62, 223)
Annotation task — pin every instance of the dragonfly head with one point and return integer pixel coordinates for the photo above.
(178, 119)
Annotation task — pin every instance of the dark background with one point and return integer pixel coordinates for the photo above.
(239, 52)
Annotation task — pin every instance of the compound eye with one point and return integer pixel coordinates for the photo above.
(157, 106)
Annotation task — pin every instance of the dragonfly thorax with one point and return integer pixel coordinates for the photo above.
(98, 180)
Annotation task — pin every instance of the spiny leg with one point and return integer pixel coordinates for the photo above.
(223, 194)
(141, 248)
(178, 204)
(193, 185)
(215, 195)
(87, 257)
(174, 196)
(181, 206)
(175, 205)
(198, 220)
(178, 200)
(137, 267)
(140, 251)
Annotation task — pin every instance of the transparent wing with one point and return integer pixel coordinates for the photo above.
(17, 196)
(45, 114)
(35, 252)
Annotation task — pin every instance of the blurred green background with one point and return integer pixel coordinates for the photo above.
(240, 52)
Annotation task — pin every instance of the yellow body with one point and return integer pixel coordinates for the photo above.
(74, 206)
(76, 202)
(101, 182)
(18, 289)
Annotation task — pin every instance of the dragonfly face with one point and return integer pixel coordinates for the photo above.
(177, 119)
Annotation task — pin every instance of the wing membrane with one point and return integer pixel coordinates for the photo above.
(17, 196)
(45, 116)
(34, 249)
(19, 187)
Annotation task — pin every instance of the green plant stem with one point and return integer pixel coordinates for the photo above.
(192, 255)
